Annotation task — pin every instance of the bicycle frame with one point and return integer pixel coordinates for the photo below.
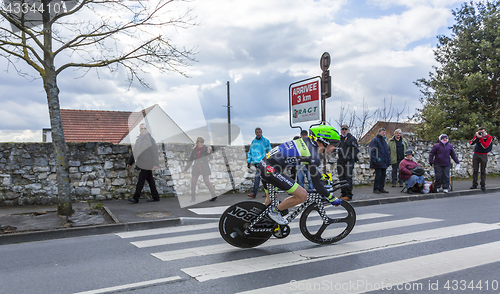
(311, 199)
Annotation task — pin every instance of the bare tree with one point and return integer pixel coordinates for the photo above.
(386, 112)
(365, 120)
(398, 113)
(346, 117)
(88, 34)
(359, 124)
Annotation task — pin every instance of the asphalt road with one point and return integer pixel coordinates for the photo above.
(449, 245)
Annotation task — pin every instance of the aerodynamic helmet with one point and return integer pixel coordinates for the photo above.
(325, 134)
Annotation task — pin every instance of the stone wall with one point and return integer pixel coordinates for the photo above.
(364, 175)
(98, 170)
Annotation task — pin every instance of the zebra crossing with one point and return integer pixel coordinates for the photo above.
(421, 230)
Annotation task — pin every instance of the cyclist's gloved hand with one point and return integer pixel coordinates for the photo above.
(457, 167)
(333, 200)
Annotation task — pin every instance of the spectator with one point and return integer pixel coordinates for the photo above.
(258, 148)
(200, 155)
(347, 155)
(397, 148)
(405, 171)
(379, 160)
(440, 158)
(483, 146)
(146, 158)
(303, 169)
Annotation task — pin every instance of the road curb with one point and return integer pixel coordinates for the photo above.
(418, 197)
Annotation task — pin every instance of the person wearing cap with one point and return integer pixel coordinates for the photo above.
(405, 173)
(439, 157)
(379, 160)
(482, 140)
(397, 148)
(347, 155)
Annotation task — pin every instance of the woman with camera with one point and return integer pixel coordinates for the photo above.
(411, 172)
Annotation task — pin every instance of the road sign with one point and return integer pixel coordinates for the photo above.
(325, 61)
(326, 86)
(305, 101)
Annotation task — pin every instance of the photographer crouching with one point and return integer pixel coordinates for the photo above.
(483, 145)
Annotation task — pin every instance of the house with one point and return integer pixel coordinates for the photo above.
(408, 130)
(118, 126)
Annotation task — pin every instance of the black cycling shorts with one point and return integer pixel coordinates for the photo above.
(273, 175)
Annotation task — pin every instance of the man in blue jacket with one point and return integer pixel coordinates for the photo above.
(379, 160)
(259, 147)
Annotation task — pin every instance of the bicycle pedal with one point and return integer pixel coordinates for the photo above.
(281, 231)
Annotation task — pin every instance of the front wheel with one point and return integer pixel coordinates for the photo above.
(326, 225)
(238, 217)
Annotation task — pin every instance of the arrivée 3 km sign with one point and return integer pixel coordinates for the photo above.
(305, 101)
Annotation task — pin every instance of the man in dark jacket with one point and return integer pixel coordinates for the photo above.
(483, 146)
(379, 160)
(146, 158)
(348, 154)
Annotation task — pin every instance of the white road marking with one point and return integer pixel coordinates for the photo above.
(214, 235)
(321, 253)
(401, 273)
(130, 286)
(209, 210)
(168, 230)
(226, 248)
(176, 240)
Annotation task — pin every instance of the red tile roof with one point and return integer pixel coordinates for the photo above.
(98, 125)
(406, 128)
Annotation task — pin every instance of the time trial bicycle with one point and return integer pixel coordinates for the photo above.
(246, 224)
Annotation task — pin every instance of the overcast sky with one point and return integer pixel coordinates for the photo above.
(378, 49)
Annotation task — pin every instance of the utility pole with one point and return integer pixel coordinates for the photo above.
(228, 116)
(230, 175)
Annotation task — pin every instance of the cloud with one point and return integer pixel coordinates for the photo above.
(378, 49)
(21, 136)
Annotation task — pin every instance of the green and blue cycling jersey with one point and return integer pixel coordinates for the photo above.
(302, 150)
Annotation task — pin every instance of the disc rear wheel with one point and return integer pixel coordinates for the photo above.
(238, 217)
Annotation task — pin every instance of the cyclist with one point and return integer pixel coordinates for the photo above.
(323, 139)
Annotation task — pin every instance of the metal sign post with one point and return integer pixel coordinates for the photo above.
(307, 98)
(326, 91)
(326, 83)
